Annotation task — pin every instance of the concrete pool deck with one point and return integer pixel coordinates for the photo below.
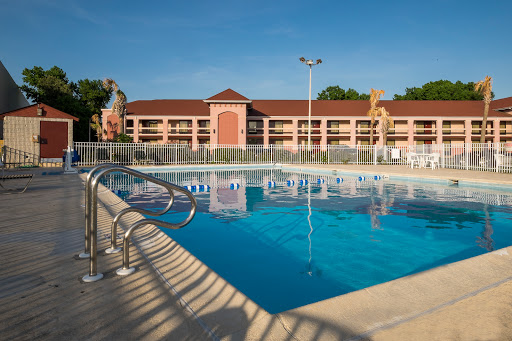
(42, 295)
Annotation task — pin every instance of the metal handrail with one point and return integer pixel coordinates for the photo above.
(88, 200)
(113, 240)
(92, 209)
(126, 269)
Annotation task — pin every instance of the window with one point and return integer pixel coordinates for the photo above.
(334, 142)
(503, 128)
(447, 127)
(277, 142)
(365, 128)
(390, 143)
(334, 125)
(204, 127)
(252, 127)
(477, 127)
(278, 127)
(255, 141)
(184, 125)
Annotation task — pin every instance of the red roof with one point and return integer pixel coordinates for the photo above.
(360, 108)
(31, 111)
(273, 108)
(169, 107)
(228, 95)
(502, 103)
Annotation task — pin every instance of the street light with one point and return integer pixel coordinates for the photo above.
(310, 63)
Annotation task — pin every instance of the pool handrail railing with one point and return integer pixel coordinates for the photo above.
(91, 210)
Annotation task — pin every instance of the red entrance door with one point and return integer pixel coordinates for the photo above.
(54, 139)
(428, 128)
(228, 128)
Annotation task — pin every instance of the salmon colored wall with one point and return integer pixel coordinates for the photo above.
(112, 127)
(228, 128)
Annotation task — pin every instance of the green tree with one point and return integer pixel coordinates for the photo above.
(52, 87)
(334, 92)
(442, 90)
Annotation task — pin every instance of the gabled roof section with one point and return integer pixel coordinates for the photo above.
(228, 96)
(503, 104)
(31, 111)
(169, 107)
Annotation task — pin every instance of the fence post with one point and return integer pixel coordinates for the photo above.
(374, 154)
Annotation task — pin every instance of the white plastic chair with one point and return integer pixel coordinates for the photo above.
(409, 157)
(432, 160)
(415, 160)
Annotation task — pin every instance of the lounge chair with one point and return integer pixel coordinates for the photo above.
(140, 156)
(4, 177)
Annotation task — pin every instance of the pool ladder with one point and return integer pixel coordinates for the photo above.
(91, 218)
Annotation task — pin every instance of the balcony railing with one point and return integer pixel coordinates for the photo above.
(478, 131)
(338, 131)
(203, 131)
(448, 131)
(304, 131)
(150, 130)
(180, 131)
(425, 131)
(255, 131)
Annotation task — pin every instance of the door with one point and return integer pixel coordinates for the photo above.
(54, 139)
(428, 128)
(228, 128)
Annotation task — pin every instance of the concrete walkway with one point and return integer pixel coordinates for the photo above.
(42, 296)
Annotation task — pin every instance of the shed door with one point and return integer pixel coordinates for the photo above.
(54, 138)
(228, 128)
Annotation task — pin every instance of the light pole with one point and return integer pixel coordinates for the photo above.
(310, 63)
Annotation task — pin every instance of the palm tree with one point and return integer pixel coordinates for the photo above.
(485, 88)
(386, 122)
(373, 112)
(119, 105)
(96, 125)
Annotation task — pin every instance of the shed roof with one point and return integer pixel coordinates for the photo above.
(31, 111)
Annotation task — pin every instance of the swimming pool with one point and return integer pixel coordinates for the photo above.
(287, 246)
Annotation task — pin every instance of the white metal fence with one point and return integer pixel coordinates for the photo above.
(495, 157)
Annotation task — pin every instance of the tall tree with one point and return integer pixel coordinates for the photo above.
(337, 93)
(52, 87)
(485, 88)
(443, 90)
(373, 112)
(119, 105)
(386, 122)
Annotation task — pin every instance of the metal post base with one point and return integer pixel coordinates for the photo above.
(125, 272)
(111, 250)
(84, 255)
(88, 278)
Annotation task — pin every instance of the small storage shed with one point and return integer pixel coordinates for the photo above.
(38, 129)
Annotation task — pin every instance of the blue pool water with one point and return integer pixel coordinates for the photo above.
(285, 247)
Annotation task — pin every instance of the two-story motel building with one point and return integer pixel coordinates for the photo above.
(230, 118)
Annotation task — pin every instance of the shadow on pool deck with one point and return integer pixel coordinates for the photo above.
(42, 296)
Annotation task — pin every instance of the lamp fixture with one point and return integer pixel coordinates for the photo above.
(310, 63)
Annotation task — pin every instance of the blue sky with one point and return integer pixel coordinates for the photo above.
(181, 50)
